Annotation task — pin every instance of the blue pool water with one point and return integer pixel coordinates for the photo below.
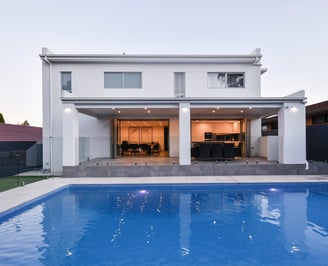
(171, 225)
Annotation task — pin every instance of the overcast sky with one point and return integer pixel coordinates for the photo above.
(292, 35)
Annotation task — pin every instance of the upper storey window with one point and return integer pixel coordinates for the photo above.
(225, 80)
(131, 80)
(66, 81)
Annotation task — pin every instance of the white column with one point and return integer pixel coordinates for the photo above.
(47, 119)
(70, 135)
(184, 134)
(291, 132)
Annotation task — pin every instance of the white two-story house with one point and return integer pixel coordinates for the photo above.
(95, 104)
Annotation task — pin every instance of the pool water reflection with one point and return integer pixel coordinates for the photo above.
(165, 225)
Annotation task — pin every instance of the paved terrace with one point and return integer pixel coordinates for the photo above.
(23, 195)
(148, 166)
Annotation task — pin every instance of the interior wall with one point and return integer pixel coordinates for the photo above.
(219, 127)
(174, 137)
(157, 135)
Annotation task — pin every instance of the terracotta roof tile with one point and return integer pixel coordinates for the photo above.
(19, 133)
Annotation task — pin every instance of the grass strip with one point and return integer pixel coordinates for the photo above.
(11, 182)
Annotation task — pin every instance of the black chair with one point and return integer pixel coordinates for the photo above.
(238, 150)
(217, 151)
(145, 148)
(229, 151)
(195, 149)
(134, 148)
(124, 147)
(155, 148)
(205, 151)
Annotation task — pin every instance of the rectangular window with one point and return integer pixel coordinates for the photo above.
(116, 80)
(179, 84)
(66, 81)
(321, 118)
(225, 80)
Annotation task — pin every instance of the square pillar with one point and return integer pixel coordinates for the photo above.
(184, 134)
(292, 133)
(70, 135)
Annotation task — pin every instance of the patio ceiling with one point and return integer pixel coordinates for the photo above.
(163, 113)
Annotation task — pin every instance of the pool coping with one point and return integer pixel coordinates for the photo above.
(21, 196)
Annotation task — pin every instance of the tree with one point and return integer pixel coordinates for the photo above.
(25, 123)
(2, 120)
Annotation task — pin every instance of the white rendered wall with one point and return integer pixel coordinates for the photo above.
(291, 132)
(94, 137)
(158, 80)
(52, 121)
(255, 136)
(70, 135)
(269, 147)
(184, 134)
(46, 130)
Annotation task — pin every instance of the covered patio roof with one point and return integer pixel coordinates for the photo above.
(209, 108)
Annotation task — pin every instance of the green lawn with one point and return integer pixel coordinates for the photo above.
(10, 182)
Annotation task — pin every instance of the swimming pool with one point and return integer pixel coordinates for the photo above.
(259, 224)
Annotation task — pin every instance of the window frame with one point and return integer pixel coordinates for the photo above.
(62, 73)
(123, 81)
(226, 80)
(179, 91)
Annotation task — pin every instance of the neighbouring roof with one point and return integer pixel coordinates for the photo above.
(316, 108)
(19, 133)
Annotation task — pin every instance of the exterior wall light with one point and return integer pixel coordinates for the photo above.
(294, 109)
(185, 109)
(67, 110)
